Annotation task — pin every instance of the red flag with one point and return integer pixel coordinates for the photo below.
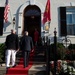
(46, 15)
(6, 11)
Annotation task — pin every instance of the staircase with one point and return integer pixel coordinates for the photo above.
(39, 62)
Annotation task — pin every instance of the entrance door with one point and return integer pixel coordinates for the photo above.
(32, 19)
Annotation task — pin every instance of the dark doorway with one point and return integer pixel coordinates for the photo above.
(32, 19)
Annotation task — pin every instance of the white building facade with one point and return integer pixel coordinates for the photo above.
(28, 15)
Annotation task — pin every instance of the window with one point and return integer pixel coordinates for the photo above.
(70, 16)
(67, 21)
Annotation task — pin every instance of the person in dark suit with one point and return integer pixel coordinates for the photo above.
(27, 47)
(12, 45)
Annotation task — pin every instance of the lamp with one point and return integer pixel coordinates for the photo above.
(14, 20)
(47, 26)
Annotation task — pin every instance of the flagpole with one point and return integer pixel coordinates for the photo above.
(46, 22)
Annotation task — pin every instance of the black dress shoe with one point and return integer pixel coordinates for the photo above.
(6, 71)
(7, 67)
(13, 66)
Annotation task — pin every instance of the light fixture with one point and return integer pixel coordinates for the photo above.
(47, 26)
(14, 20)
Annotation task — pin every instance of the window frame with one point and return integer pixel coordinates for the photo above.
(70, 25)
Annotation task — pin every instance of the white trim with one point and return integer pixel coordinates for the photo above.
(20, 19)
(69, 4)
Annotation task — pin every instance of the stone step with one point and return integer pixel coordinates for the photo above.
(36, 69)
(2, 70)
(37, 57)
(39, 61)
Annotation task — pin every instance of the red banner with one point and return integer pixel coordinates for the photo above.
(46, 15)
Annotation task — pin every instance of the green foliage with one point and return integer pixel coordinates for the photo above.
(2, 52)
(60, 51)
(60, 45)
